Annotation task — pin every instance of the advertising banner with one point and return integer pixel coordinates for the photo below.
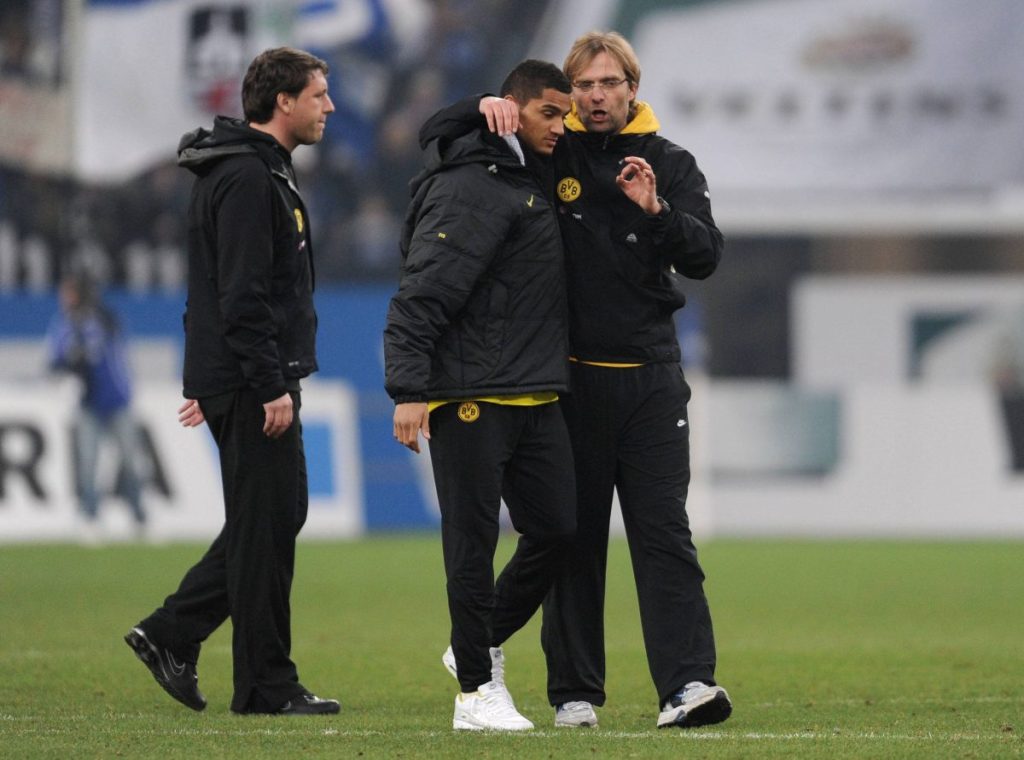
(182, 494)
(842, 115)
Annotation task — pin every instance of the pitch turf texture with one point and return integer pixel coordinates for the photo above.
(838, 650)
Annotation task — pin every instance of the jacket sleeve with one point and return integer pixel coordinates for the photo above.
(453, 242)
(686, 235)
(453, 121)
(244, 214)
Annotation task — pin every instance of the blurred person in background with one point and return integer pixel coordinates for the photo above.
(250, 334)
(1007, 372)
(476, 355)
(85, 339)
(636, 218)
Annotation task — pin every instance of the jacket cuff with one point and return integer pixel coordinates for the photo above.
(411, 398)
(662, 211)
(269, 393)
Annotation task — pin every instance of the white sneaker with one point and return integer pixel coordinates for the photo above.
(576, 715)
(696, 705)
(497, 664)
(488, 708)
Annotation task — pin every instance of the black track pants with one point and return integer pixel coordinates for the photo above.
(630, 432)
(246, 574)
(521, 454)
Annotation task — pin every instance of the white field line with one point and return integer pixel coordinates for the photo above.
(21, 724)
(596, 735)
(628, 708)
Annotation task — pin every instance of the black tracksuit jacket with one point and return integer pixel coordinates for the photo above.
(480, 309)
(249, 321)
(625, 268)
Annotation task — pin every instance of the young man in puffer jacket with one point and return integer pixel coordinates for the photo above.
(476, 355)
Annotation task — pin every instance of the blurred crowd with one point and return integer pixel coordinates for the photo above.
(415, 56)
(408, 58)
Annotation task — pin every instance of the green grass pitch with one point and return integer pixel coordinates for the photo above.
(855, 649)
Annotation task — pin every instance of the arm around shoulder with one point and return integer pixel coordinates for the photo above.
(461, 117)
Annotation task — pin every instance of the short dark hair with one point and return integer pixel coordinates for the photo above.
(282, 69)
(530, 78)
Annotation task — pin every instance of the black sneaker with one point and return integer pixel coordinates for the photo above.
(698, 704)
(178, 678)
(309, 704)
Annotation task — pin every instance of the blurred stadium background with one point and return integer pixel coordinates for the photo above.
(858, 358)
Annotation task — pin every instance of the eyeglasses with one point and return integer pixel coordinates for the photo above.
(605, 84)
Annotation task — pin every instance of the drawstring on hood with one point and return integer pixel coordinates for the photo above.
(230, 137)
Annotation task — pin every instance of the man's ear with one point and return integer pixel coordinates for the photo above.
(285, 102)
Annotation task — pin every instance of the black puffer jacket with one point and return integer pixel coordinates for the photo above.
(480, 310)
(250, 320)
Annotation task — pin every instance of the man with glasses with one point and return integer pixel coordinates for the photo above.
(636, 218)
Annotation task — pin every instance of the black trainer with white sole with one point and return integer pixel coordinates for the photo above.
(309, 704)
(177, 677)
(698, 704)
(303, 703)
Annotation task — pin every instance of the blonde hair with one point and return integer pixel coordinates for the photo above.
(587, 47)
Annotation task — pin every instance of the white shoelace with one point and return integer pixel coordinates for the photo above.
(499, 701)
(576, 707)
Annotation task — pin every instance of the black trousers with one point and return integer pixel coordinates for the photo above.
(630, 432)
(521, 454)
(246, 574)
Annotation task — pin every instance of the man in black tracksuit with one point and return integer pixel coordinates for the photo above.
(636, 218)
(250, 334)
(476, 353)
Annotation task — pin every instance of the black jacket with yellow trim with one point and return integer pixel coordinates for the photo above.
(250, 320)
(481, 307)
(625, 268)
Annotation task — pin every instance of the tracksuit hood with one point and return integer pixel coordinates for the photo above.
(475, 147)
(198, 149)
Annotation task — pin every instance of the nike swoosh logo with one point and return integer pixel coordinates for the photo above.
(176, 667)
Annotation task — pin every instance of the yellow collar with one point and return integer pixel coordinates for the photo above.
(644, 122)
